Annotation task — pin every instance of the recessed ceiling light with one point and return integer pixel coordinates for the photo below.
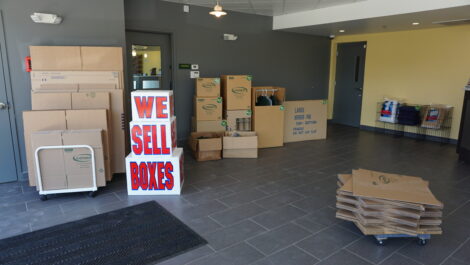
(415, 23)
(341, 30)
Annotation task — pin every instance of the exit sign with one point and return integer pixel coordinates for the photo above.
(184, 66)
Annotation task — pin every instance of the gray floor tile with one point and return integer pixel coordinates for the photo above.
(343, 257)
(367, 248)
(326, 242)
(188, 256)
(278, 216)
(397, 259)
(243, 197)
(325, 216)
(89, 203)
(234, 215)
(231, 235)
(279, 199)
(453, 261)
(291, 256)
(463, 254)
(279, 238)
(207, 195)
(202, 225)
(240, 254)
(435, 252)
(312, 204)
(14, 230)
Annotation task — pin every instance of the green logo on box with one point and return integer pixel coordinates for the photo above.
(219, 100)
(249, 77)
(325, 101)
(281, 107)
(216, 80)
(208, 85)
(248, 112)
(223, 123)
(82, 158)
(240, 90)
(209, 107)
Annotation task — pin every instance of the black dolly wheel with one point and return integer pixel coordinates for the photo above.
(422, 242)
(92, 194)
(43, 197)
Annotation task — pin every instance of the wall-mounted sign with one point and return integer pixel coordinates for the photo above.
(184, 66)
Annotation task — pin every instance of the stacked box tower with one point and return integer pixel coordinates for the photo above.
(155, 164)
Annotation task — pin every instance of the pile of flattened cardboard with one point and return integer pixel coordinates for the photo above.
(383, 203)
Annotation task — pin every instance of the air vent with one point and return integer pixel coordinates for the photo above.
(454, 22)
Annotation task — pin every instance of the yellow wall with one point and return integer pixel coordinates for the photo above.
(421, 66)
(153, 60)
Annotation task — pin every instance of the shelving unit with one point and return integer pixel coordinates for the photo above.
(417, 131)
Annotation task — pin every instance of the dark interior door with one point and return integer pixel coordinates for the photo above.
(350, 64)
(7, 153)
(150, 42)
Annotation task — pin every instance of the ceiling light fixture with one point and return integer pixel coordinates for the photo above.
(134, 53)
(218, 12)
(145, 55)
(415, 23)
(341, 30)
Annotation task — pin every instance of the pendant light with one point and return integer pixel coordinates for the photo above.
(218, 12)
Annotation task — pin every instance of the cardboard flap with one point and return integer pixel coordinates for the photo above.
(91, 100)
(246, 140)
(57, 87)
(44, 58)
(212, 144)
(51, 101)
(87, 87)
(101, 58)
(393, 187)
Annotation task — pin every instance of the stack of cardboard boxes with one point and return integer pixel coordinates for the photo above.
(208, 106)
(76, 88)
(155, 164)
(236, 90)
(382, 203)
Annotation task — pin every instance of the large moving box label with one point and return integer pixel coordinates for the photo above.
(305, 120)
(150, 138)
(237, 91)
(208, 109)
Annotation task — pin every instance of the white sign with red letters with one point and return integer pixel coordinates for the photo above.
(155, 164)
(152, 105)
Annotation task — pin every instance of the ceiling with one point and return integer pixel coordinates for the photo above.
(400, 22)
(268, 7)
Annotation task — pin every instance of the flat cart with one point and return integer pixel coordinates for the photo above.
(422, 238)
(43, 193)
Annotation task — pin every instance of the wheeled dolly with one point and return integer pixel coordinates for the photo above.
(422, 239)
(43, 193)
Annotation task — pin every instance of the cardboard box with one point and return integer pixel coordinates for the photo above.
(305, 120)
(101, 58)
(34, 121)
(153, 138)
(73, 81)
(207, 126)
(238, 120)
(69, 168)
(76, 58)
(55, 58)
(51, 162)
(240, 145)
(155, 175)
(268, 121)
(51, 101)
(155, 105)
(208, 87)
(208, 109)
(236, 90)
(112, 100)
(206, 145)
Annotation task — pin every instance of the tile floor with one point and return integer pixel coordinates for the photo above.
(279, 209)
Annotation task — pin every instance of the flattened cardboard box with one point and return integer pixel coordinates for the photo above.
(207, 126)
(55, 58)
(206, 145)
(305, 120)
(208, 87)
(72, 167)
(34, 121)
(236, 90)
(72, 81)
(244, 145)
(112, 100)
(208, 109)
(101, 58)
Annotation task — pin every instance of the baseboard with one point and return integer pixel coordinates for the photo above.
(409, 135)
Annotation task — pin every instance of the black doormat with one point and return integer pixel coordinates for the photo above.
(140, 234)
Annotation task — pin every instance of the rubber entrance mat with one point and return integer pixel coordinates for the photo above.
(141, 234)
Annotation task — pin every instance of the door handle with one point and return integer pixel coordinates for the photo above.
(3, 106)
(359, 88)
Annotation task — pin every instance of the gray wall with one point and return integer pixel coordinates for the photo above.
(298, 62)
(86, 22)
